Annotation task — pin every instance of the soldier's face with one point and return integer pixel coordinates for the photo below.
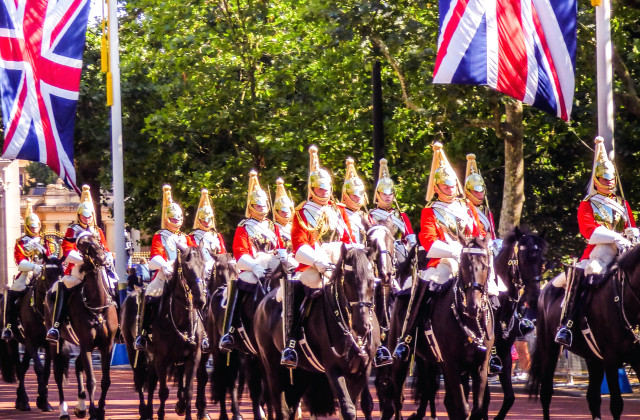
(386, 198)
(609, 184)
(35, 230)
(479, 195)
(86, 220)
(206, 223)
(284, 214)
(357, 199)
(321, 192)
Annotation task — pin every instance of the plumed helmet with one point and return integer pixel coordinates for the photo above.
(473, 180)
(602, 167)
(171, 212)
(205, 218)
(256, 197)
(353, 185)
(85, 208)
(31, 220)
(282, 203)
(318, 177)
(441, 172)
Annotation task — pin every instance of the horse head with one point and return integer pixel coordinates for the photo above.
(521, 263)
(52, 272)
(474, 271)
(629, 263)
(381, 250)
(224, 269)
(353, 282)
(186, 282)
(92, 251)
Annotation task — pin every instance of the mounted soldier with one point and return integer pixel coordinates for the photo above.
(256, 244)
(165, 245)
(606, 221)
(86, 224)
(387, 207)
(354, 197)
(283, 209)
(446, 219)
(320, 227)
(29, 252)
(207, 239)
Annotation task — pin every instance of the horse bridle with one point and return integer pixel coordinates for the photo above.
(475, 285)
(189, 336)
(382, 252)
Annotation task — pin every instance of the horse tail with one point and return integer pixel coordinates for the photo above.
(319, 398)
(8, 350)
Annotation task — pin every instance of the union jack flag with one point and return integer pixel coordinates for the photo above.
(523, 48)
(41, 45)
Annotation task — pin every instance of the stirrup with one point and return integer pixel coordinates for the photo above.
(53, 335)
(495, 365)
(525, 326)
(289, 358)
(564, 336)
(7, 334)
(382, 357)
(227, 342)
(402, 351)
(205, 345)
(141, 343)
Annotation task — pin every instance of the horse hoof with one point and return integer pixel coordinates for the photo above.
(65, 417)
(23, 406)
(181, 407)
(206, 416)
(79, 413)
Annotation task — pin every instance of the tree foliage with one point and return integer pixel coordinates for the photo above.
(212, 89)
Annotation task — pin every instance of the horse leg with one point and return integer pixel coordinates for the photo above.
(594, 396)
(504, 352)
(163, 391)
(189, 371)
(60, 367)
(339, 385)
(81, 408)
(90, 380)
(398, 377)
(549, 361)
(181, 404)
(105, 382)
(480, 394)
(43, 393)
(255, 374)
(454, 399)
(22, 399)
(202, 378)
(151, 387)
(616, 404)
(366, 402)
(38, 368)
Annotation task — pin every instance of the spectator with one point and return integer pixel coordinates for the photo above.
(133, 281)
(142, 269)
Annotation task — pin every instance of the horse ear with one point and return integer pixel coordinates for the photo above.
(517, 231)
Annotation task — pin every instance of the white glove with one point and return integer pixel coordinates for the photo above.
(282, 254)
(321, 266)
(411, 240)
(456, 250)
(258, 271)
(37, 270)
(167, 268)
(208, 268)
(632, 233)
(109, 258)
(622, 243)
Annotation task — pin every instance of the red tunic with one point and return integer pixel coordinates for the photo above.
(301, 236)
(20, 252)
(158, 249)
(243, 242)
(431, 230)
(69, 243)
(587, 223)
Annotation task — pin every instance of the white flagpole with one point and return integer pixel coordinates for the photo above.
(116, 146)
(604, 73)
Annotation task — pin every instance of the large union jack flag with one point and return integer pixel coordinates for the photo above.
(523, 48)
(41, 45)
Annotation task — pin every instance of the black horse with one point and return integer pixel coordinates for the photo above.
(458, 339)
(32, 335)
(339, 337)
(520, 264)
(92, 323)
(175, 349)
(612, 311)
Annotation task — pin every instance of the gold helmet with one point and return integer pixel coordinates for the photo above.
(385, 185)
(441, 173)
(282, 203)
(353, 186)
(602, 168)
(318, 177)
(85, 208)
(205, 219)
(31, 220)
(473, 180)
(256, 197)
(171, 212)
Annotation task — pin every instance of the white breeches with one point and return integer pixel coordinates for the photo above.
(156, 286)
(332, 250)
(446, 268)
(601, 256)
(20, 283)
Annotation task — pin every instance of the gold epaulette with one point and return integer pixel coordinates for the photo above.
(588, 198)
(430, 203)
(301, 205)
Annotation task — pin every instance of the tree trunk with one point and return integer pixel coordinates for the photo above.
(513, 191)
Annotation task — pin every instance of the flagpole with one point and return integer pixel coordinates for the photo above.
(116, 146)
(604, 73)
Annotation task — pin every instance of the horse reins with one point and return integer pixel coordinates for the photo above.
(189, 336)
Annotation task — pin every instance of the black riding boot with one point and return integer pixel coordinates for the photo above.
(564, 335)
(289, 357)
(59, 309)
(12, 300)
(227, 341)
(147, 312)
(420, 295)
(293, 320)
